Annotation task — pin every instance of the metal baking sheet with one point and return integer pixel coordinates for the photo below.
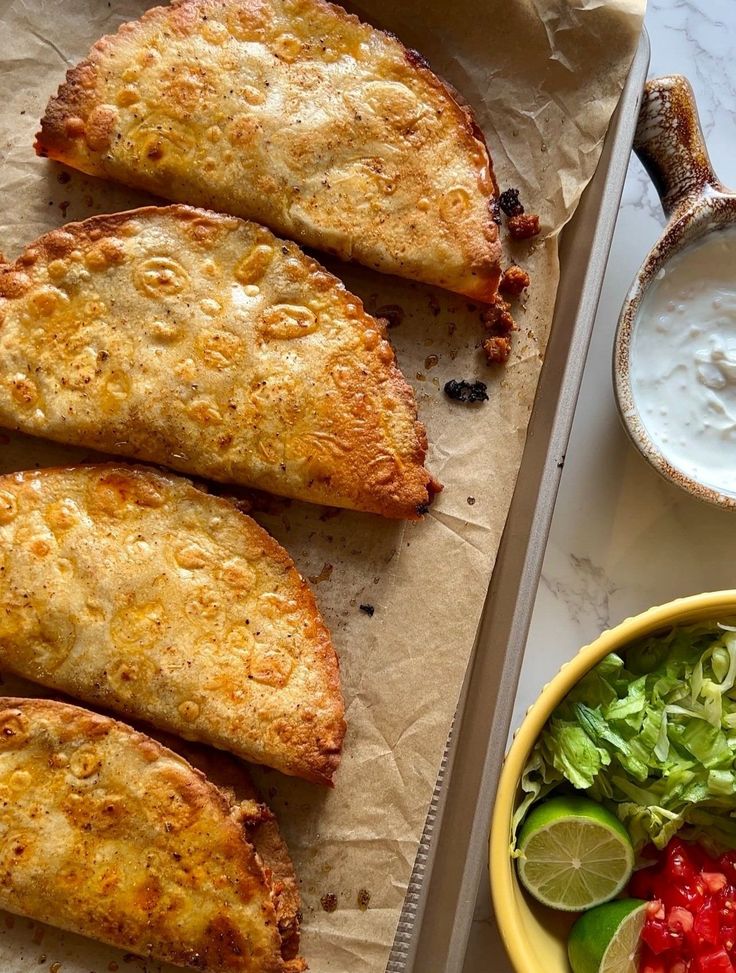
(433, 930)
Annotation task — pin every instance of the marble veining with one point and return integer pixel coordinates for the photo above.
(587, 589)
(622, 538)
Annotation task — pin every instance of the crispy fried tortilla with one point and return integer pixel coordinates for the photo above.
(262, 830)
(135, 591)
(202, 342)
(233, 777)
(147, 854)
(295, 114)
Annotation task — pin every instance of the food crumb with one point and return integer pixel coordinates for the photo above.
(431, 361)
(324, 575)
(329, 902)
(42, 959)
(364, 898)
(462, 391)
(497, 317)
(368, 610)
(497, 349)
(510, 203)
(64, 206)
(471, 500)
(523, 226)
(64, 177)
(514, 280)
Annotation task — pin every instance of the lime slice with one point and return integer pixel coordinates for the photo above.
(608, 938)
(574, 854)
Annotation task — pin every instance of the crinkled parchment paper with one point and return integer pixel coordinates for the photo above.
(544, 77)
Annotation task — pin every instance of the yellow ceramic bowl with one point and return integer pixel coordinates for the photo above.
(536, 937)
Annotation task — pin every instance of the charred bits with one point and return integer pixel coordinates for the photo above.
(510, 203)
(468, 392)
(521, 226)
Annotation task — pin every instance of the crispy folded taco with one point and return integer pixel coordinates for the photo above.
(106, 833)
(295, 114)
(262, 830)
(135, 591)
(202, 342)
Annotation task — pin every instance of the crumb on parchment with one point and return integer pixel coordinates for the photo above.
(510, 203)
(514, 280)
(462, 391)
(497, 349)
(523, 227)
(497, 317)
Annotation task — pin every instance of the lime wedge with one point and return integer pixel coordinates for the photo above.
(574, 854)
(608, 938)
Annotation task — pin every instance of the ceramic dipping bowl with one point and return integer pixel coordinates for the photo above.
(669, 142)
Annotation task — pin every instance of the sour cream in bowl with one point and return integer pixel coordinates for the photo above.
(682, 361)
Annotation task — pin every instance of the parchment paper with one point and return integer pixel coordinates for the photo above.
(544, 77)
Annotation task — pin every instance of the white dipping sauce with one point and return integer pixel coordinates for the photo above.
(683, 360)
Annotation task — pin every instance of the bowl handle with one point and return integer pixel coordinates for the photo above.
(670, 143)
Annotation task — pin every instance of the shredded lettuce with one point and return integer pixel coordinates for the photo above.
(653, 736)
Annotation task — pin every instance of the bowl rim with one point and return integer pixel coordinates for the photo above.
(501, 870)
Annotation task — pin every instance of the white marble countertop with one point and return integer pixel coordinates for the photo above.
(622, 538)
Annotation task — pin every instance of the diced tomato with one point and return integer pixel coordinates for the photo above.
(658, 936)
(680, 920)
(690, 924)
(679, 862)
(655, 909)
(715, 961)
(714, 881)
(689, 895)
(707, 927)
(653, 966)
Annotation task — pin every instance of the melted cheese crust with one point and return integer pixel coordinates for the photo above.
(106, 833)
(295, 114)
(137, 592)
(183, 337)
(261, 827)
